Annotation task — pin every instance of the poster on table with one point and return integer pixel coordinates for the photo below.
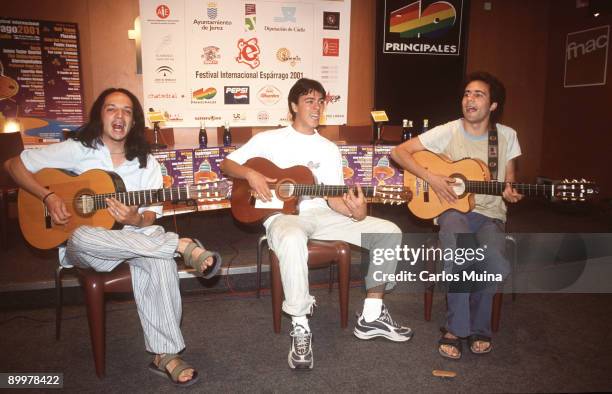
(233, 62)
(40, 77)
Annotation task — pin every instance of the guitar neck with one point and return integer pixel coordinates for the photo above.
(496, 188)
(329, 190)
(145, 197)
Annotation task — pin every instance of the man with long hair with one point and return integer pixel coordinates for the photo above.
(113, 140)
(469, 312)
(339, 218)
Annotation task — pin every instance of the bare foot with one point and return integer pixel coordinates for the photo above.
(195, 253)
(448, 349)
(481, 346)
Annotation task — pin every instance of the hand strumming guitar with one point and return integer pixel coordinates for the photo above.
(259, 184)
(443, 187)
(57, 209)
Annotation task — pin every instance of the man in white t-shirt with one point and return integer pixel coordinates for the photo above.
(469, 313)
(338, 218)
(113, 140)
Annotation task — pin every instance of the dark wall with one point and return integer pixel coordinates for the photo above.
(510, 41)
(577, 121)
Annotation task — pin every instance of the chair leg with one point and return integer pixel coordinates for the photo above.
(344, 277)
(511, 240)
(430, 266)
(59, 301)
(260, 242)
(94, 298)
(428, 302)
(4, 220)
(496, 311)
(276, 290)
(331, 278)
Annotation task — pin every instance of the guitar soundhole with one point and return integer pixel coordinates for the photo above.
(84, 203)
(459, 186)
(285, 190)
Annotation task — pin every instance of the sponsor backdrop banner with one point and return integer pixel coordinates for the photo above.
(40, 76)
(420, 59)
(234, 61)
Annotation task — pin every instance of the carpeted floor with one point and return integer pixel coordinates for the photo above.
(547, 343)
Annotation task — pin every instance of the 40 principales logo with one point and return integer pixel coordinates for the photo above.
(248, 52)
(211, 55)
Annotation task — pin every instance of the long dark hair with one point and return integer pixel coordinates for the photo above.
(302, 87)
(136, 144)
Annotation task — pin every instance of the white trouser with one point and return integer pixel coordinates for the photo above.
(149, 252)
(289, 234)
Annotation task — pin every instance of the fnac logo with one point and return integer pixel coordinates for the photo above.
(248, 52)
(162, 11)
(236, 94)
(409, 21)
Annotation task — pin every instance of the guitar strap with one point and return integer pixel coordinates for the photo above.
(493, 152)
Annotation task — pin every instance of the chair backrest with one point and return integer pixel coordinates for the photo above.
(355, 134)
(391, 133)
(11, 145)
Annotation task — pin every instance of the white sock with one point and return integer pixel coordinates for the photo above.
(301, 320)
(372, 308)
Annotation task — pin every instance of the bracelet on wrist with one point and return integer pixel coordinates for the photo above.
(44, 200)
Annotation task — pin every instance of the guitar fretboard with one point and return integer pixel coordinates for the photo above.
(144, 197)
(497, 188)
(326, 190)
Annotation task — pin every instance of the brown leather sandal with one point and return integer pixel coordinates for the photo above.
(173, 376)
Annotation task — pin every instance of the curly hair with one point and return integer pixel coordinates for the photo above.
(496, 89)
(136, 145)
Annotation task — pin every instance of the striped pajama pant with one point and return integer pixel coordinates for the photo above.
(150, 253)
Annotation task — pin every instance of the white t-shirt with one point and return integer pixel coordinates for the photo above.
(73, 156)
(452, 140)
(287, 147)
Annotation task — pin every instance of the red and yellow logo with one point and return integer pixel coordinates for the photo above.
(409, 21)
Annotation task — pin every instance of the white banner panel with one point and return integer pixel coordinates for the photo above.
(235, 61)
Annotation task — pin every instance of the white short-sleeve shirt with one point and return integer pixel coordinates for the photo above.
(73, 156)
(287, 147)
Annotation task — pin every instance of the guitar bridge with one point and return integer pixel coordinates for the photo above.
(47, 218)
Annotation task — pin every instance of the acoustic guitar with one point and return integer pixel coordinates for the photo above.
(292, 183)
(472, 177)
(85, 196)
